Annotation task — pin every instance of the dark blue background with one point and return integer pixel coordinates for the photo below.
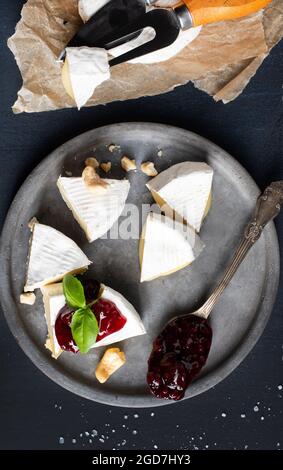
(35, 412)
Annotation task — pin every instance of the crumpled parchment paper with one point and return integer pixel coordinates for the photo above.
(220, 61)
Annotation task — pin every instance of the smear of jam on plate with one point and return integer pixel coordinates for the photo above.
(109, 318)
(178, 355)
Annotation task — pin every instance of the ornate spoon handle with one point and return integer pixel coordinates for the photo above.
(267, 207)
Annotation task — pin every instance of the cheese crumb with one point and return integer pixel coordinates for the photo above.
(92, 162)
(112, 148)
(111, 361)
(106, 167)
(127, 164)
(93, 181)
(32, 223)
(149, 169)
(28, 298)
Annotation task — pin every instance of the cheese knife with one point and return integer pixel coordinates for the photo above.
(109, 19)
(167, 23)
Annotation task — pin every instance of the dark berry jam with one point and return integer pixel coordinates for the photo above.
(108, 316)
(91, 289)
(63, 330)
(178, 355)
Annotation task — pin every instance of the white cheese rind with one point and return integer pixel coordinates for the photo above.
(54, 300)
(88, 68)
(96, 213)
(168, 246)
(185, 188)
(52, 255)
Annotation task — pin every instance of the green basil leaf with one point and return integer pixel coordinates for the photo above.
(73, 292)
(84, 328)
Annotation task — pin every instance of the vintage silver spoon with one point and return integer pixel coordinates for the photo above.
(182, 348)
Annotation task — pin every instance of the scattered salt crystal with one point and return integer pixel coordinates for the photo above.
(55, 406)
(81, 435)
(206, 446)
(113, 430)
(61, 440)
(262, 418)
(87, 433)
(151, 414)
(223, 415)
(246, 447)
(243, 415)
(101, 440)
(155, 446)
(125, 416)
(256, 409)
(90, 441)
(123, 425)
(159, 153)
(124, 442)
(68, 173)
(135, 432)
(94, 432)
(280, 387)
(136, 416)
(74, 441)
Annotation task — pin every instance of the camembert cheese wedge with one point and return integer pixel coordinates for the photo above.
(185, 188)
(84, 69)
(166, 246)
(52, 255)
(95, 212)
(54, 300)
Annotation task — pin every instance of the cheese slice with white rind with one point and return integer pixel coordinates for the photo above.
(85, 68)
(95, 212)
(54, 300)
(186, 189)
(52, 255)
(166, 246)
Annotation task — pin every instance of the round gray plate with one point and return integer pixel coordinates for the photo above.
(237, 321)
